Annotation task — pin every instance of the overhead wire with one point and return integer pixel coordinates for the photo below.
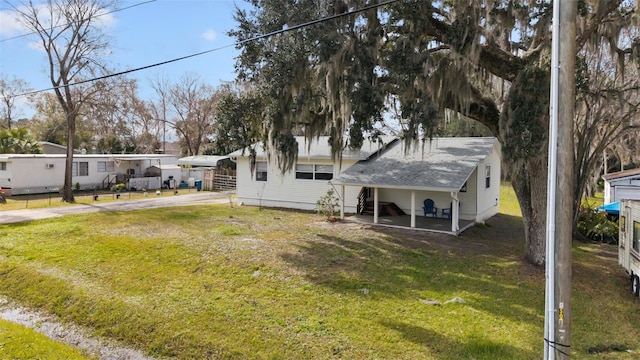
(61, 25)
(238, 43)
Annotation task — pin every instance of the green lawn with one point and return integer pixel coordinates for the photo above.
(221, 282)
(36, 201)
(19, 342)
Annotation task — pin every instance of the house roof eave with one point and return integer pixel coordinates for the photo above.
(396, 187)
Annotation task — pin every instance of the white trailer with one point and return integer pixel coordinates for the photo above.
(629, 241)
(43, 173)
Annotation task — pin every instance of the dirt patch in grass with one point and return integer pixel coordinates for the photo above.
(68, 334)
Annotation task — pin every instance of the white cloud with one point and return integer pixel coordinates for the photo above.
(209, 35)
(9, 24)
(105, 20)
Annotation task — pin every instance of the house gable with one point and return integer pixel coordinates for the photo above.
(441, 164)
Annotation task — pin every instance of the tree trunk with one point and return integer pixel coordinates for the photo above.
(529, 181)
(67, 191)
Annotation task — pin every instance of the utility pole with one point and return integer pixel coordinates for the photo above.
(560, 197)
(564, 199)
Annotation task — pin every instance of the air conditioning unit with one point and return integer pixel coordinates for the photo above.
(49, 166)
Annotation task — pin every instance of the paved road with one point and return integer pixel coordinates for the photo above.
(199, 198)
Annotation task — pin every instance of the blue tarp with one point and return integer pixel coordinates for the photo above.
(613, 208)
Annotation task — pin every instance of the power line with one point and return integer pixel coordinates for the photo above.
(257, 37)
(57, 26)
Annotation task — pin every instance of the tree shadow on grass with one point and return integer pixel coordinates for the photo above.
(442, 347)
(382, 263)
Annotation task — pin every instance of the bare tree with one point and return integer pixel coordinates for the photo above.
(120, 119)
(158, 109)
(69, 33)
(8, 91)
(194, 106)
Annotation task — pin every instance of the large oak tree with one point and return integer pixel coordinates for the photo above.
(488, 60)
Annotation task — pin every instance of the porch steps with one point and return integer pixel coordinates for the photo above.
(384, 208)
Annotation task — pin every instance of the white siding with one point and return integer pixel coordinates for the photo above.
(607, 192)
(623, 188)
(488, 198)
(442, 200)
(477, 203)
(627, 256)
(626, 192)
(33, 174)
(284, 190)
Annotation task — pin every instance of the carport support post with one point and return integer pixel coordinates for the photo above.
(455, 213)
(375, 205)
(413, 208)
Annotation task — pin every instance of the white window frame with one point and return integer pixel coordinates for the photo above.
(106, 166)
(261, 171)
(487, 176)
(82, 166)
(322, 172)
(304, 171)
(3, 166)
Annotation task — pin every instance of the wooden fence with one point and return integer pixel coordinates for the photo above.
(219, 180)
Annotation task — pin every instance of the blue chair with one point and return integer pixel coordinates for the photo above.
(447, 212)
(429, 208)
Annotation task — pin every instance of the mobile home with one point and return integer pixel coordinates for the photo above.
(43, 173)
(629, 241)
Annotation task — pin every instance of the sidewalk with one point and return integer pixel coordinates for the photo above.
(199, 198)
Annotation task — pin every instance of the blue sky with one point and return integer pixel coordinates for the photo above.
(142, 35)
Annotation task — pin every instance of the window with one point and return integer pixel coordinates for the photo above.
(261, 171)
(80, 169)
(487, 176)
(623, 225)
(3, 166)
(314, 172)
(636, 236)
(106, 166)
(464, 187)
(304, 171)
(324, 172)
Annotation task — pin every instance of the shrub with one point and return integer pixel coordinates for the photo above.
(327, 205)
(597, 226)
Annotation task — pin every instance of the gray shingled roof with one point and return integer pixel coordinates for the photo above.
(442, 164)
(320, 149)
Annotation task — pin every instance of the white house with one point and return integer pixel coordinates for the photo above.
(41, 173)
(306, 183)
(622, 185)
(461, 176)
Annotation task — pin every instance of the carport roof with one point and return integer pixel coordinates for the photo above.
(440, 164)
(201, 160)
(622, 174)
